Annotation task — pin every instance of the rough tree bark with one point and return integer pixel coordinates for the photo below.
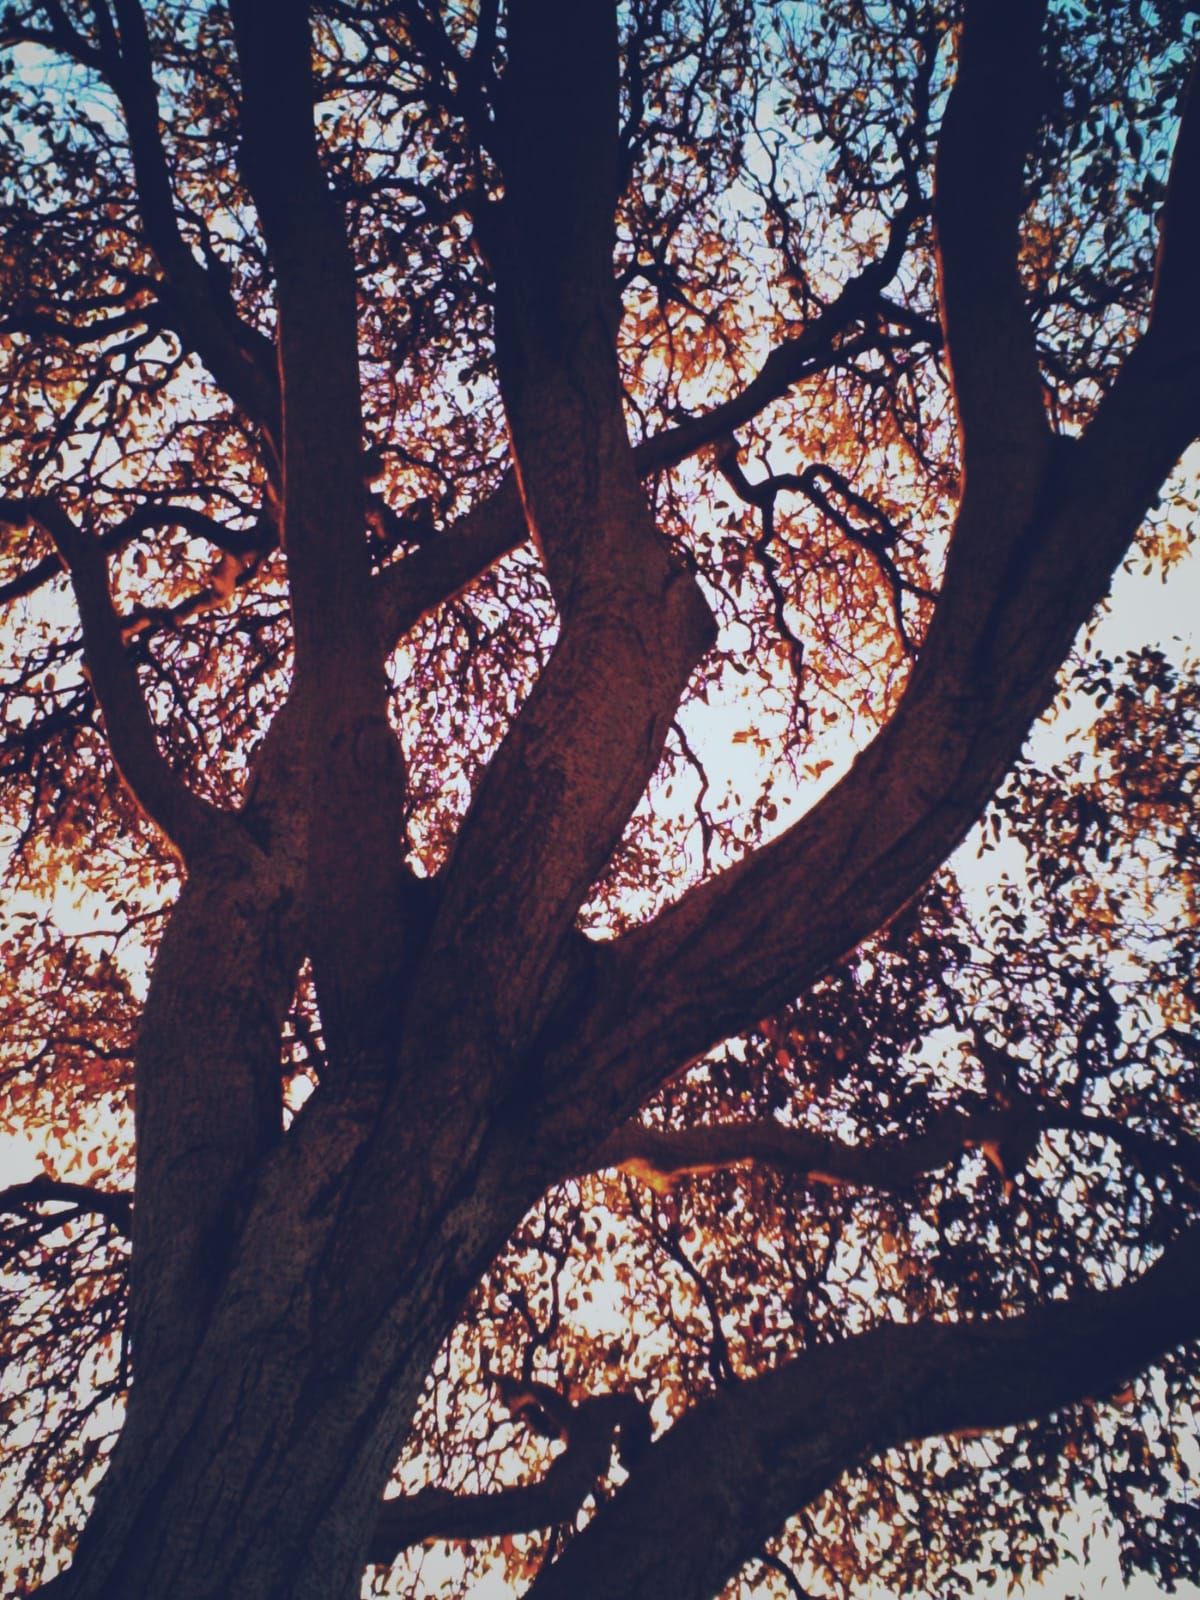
(289, 1293)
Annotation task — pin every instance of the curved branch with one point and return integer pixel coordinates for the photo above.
(241, 543)
(239, 357)
(1027, 565)
(186, 820)
(804, 355)
(591, 1427)
(739, 1464)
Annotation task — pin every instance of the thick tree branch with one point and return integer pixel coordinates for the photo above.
(738, 1465)
(661, 1156)
(186, 820)
(1027, 564)
(979, 196)
(354, 772)
(557, 795)
(590, 1428)
(208, 1099)
(323, 513)
(20, 1198)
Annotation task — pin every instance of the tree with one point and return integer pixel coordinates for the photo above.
(415, 415)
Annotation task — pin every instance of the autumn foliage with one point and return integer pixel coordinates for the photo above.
(530, 535)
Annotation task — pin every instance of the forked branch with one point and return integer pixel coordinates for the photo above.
(590, 1429)
(238, 356)
(1028, 563)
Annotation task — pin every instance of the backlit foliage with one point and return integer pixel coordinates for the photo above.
(1038, 1035)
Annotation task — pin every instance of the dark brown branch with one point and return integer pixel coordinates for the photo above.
(560, 790)
(742, 1462)
(19, 1198)
(241, 543)
(591, 1428)
(1027, 564)
(355, 771)
(979, 197)
(323, 513)
(239, 357)
(556, 797)
(186, 820)
(661, 1156)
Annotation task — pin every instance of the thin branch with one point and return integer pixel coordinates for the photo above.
(861, 299)
(185, 819)
(1134, 438)
(239, 357)
(241, 543)
(794, 1587)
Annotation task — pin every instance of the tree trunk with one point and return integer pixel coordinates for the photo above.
(257, 1475)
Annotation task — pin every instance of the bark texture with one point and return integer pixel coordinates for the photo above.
(289, 1293)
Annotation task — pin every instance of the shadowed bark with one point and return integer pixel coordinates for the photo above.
(737, 1465)
(289, 1291)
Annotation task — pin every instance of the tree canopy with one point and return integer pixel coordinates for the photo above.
(531, 533)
